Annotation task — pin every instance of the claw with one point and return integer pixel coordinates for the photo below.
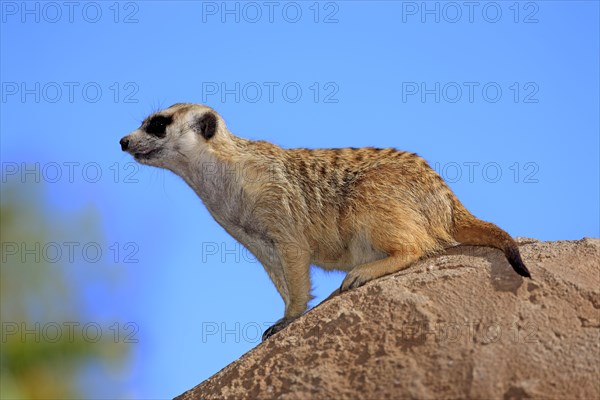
(356, 282)
(276, 327)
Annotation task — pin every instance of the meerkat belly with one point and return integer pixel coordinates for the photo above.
(345, 255)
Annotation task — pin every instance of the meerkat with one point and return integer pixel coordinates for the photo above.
(367, 211)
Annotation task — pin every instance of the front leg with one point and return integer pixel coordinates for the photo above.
(289, 269)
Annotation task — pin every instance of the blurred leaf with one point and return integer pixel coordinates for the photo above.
(38, 295)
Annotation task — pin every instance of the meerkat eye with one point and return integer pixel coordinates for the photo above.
(157, 126)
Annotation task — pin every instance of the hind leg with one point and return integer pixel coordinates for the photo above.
(397, 261)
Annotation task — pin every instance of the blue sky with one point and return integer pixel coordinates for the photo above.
(501, 98)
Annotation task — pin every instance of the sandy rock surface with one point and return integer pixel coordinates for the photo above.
(460, 325)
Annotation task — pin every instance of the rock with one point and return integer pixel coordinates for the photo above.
(460, 325)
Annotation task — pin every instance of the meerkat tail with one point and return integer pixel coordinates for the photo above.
(472, 231)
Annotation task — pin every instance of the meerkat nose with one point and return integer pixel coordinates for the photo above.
(124, 144)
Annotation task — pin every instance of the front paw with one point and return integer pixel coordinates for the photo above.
(279, 325)
(353, 280)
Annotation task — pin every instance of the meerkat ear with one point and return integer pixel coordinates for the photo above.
(206, 125)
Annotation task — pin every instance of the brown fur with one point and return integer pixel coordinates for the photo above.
(367, 211)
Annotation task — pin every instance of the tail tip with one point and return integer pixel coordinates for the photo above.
(523, 271)
(514, 258)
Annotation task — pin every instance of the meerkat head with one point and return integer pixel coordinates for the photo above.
(175, 137)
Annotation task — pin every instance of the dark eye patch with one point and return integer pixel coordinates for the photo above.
(157, 126)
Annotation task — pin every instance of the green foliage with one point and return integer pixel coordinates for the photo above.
(38, 295)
